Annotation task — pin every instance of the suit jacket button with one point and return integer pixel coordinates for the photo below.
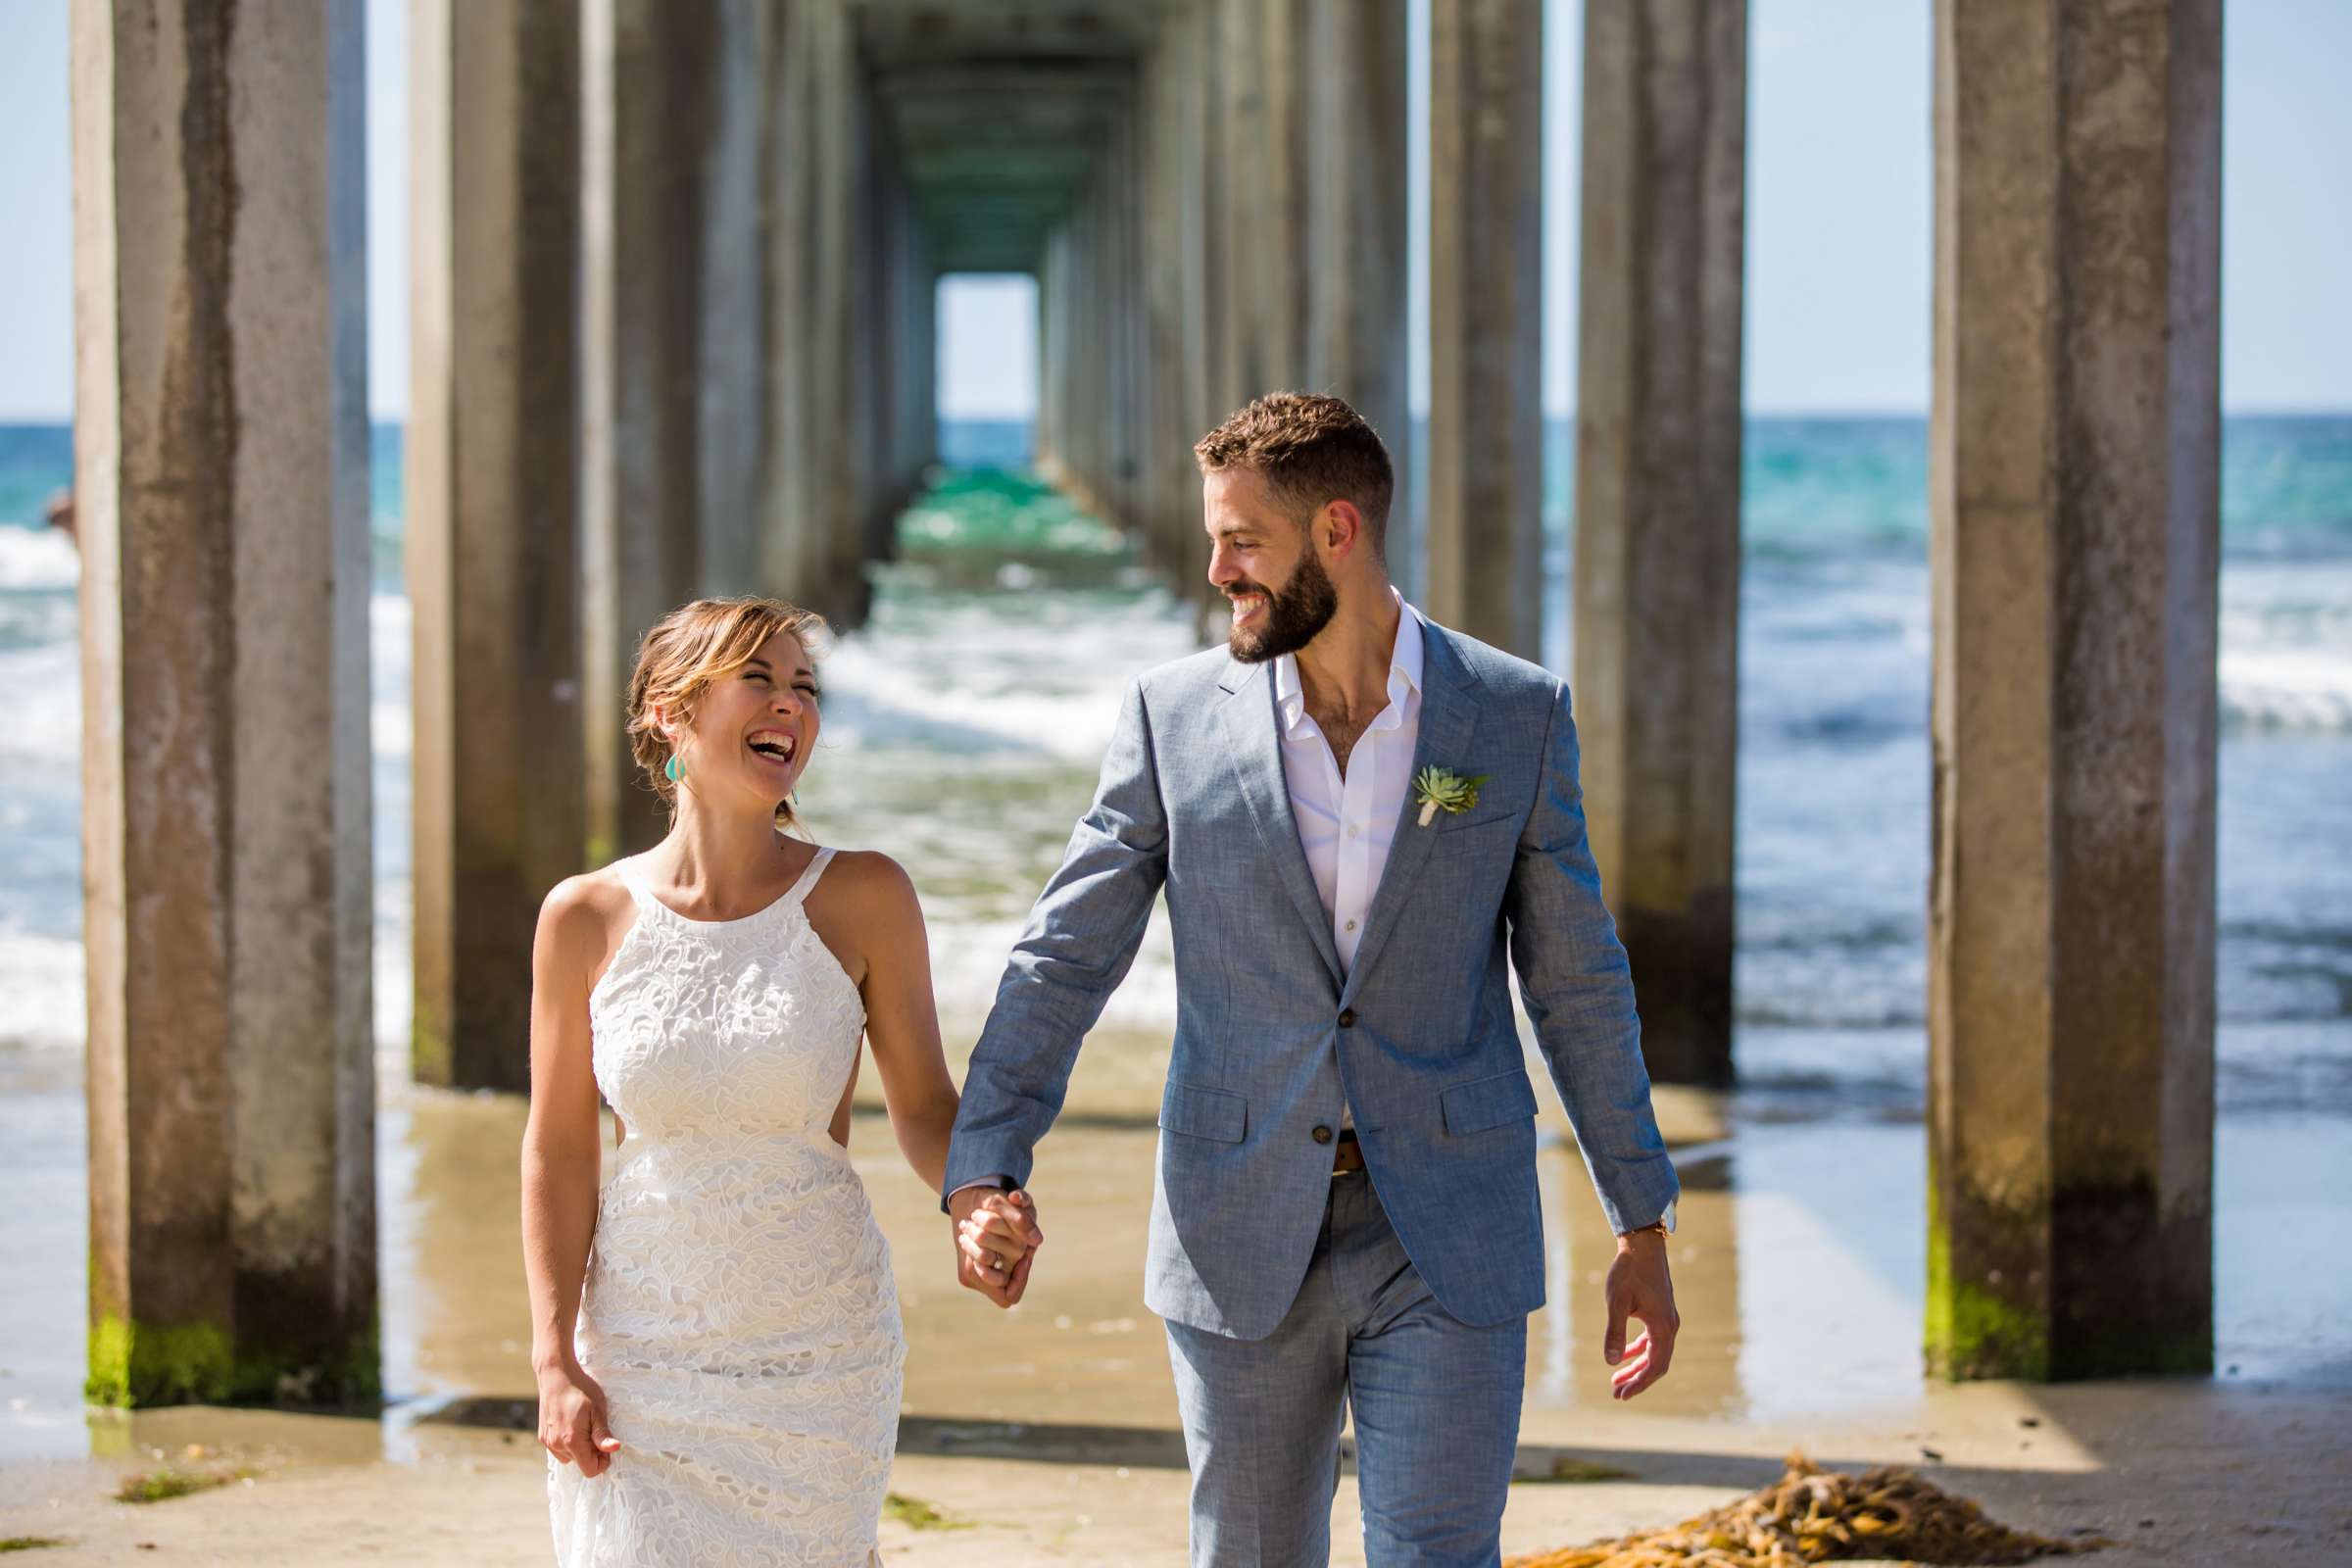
(1347, 1017)
(1322, 1135)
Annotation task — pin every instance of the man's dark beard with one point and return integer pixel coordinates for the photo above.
(1294, 614)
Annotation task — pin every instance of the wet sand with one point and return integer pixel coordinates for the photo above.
(1048, 1433)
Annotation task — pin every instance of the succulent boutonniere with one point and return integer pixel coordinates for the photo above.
(1442, 789)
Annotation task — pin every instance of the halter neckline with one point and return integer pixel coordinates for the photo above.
(632, 876)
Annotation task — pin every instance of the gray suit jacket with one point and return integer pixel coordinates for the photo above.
(1273, 1041)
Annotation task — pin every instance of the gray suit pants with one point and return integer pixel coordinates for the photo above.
(1435, 1404)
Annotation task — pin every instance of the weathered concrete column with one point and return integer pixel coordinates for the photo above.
(648, 212)
(1239, 123)
(1175, 256)
(734, 383)
(1356, 227)
(493, 525)
(1081, 434)
(846, 435)
(914, 387)
(1130, 344)
(816, 545)
(220, 457)
(1485, 289)
(1208, 377)
(1657, 502)
(1266, 122)
(791, 338)
(1164, 427)
(1053, 355)
(2075, 506)
(879, 334)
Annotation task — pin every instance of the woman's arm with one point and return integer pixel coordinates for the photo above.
(561, 1168)
(882, 942)
(902, 1018)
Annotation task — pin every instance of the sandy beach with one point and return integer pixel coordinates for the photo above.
(1048, 1433)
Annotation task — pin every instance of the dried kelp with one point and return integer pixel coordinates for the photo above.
(1814, 1515)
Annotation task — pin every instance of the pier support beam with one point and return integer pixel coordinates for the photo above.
(1264, 126)
(1164, 459)
(221, 458)
(649, 210)
(2075, 507)
(1657, 502)
(913, 280)
(492, 520)
(732, 415)
(1486, 286)
(825, 399)
(1209, 379)
(1053, 329)
(1356, 350)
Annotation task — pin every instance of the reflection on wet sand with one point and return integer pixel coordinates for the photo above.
(456, 1313)
(1565, 1368)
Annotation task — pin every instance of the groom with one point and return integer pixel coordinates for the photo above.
(1345, 1218)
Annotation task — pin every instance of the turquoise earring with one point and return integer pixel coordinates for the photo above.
(672, 769)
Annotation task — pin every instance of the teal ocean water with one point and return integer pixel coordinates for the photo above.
(966, 722)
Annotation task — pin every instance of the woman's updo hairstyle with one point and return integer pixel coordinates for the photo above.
(688, 651)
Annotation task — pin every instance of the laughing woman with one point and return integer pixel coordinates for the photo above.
(716, 1332)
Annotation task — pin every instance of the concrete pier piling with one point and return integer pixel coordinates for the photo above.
(1657, 502)
(1356, 348)
(2075, 516)
(649, 209)
(493, 515)
(221, 455)
(1486, 287)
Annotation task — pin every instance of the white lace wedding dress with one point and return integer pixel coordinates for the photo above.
(739, 1310)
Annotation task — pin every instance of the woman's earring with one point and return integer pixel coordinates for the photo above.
(672, 769)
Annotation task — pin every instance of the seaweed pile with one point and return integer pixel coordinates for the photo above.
(1814, 1515)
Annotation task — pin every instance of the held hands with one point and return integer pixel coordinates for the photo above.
(1640, 1288)
(997, 1237)
(572, 1425)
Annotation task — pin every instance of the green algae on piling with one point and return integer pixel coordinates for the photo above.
(136, 1366)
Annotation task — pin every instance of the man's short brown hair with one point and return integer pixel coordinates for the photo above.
(1311, 450)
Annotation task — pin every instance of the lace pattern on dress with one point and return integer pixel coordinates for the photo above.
(739, 1310)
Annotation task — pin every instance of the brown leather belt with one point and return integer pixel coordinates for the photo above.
(1346, 1154)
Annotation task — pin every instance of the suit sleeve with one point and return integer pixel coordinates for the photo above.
(1082, 935)
(1579, 991)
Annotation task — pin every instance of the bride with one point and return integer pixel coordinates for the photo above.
(715, 1332)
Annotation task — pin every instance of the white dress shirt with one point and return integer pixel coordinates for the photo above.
(1346, 824)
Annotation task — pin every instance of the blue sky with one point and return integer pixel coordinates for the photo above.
(1839, 183)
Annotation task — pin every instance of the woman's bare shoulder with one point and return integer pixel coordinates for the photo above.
(869, 892)
(583, 913)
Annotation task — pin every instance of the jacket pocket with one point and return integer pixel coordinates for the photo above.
(1487, 1102)
(1472, 820)
(1198, 1113)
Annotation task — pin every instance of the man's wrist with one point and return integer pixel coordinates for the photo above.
(1661, 1228)
(989, 1184)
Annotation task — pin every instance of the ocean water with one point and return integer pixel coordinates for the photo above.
(964, 722)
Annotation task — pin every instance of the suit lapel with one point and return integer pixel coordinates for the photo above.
(1254, 739)
(1449, 713)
